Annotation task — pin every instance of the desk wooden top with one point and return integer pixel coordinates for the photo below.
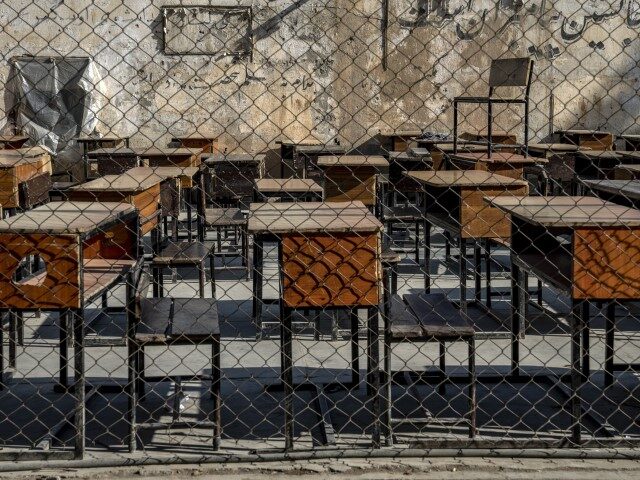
(311, 217)
(463, 147)
(498, 158)
(146, 152)
(96, 139)
(598, 154)
(561, 211)
(233, 158)
(629, 154)
(25, 152)
(464, 178)
(320, 148)
(13, 138)
(195, 136)
(582, 132)
(133, 180)
(629, 136)
(625, 188)
(112, 152)
(352, 161)
(401, 132)
(164, 172)
(629, 167)
(284, 185)
(66, 217)
(555, 147)
(11, 162)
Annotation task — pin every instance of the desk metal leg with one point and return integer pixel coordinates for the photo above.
(462, 270)
(202, 278)
(487, 267)
(586, 361)
(608, 347)
(373, 357)
(355, 347)
(518, 311)
(477, 271)
(472, 388)
(576, 381)
(427, 256)
(286, 338)
(79, 383)
(215, 392)
(64, 347)
(257, 285)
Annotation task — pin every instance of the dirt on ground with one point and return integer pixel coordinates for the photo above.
(382, 469)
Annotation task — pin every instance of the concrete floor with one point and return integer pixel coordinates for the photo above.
(252, 416)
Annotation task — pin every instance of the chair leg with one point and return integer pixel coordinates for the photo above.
(355, 347)
(442, 360)
(212, 264)
(13, 338)
(609, 343)
(1, 352)
(215, 393)
(472, 388)
(202, 278)
(64, 348)
(132, 393)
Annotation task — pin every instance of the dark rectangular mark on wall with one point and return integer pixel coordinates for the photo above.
(207, 30)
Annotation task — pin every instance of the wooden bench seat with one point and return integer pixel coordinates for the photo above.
(222, 217)
(182, 253)
(423, 316)
(177, 319)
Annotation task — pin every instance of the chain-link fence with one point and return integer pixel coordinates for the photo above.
(232, 230)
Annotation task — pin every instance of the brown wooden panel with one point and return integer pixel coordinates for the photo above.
(344, 184)
(117, 242)
(10, 179)
(208, 145)
(147, 202)
(606, 263)
(479, 219)
(60, 287)
(331, 270)
(511, 171)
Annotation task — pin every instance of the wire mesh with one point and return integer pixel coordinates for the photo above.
(230, 230)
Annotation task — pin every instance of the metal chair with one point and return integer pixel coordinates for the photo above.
(506, 72)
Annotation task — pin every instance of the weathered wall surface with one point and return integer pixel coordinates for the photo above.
(316, 69)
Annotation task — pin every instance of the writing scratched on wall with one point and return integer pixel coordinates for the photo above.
(216, 30)
(567, 20)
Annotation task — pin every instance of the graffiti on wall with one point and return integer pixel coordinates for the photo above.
(565, 22)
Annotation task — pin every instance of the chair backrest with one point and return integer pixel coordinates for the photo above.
(511, 72)
(35, 191)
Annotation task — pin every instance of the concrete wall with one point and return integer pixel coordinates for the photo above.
(317, 69)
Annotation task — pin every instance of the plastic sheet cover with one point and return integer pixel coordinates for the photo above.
(53, 100)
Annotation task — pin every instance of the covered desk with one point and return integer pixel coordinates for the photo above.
(18, 166)
(454, 202)
(87, 248)
(352, 177)
(140, 188)
(594, 139)
(586, 248)
(502, 163)
(329, 256)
